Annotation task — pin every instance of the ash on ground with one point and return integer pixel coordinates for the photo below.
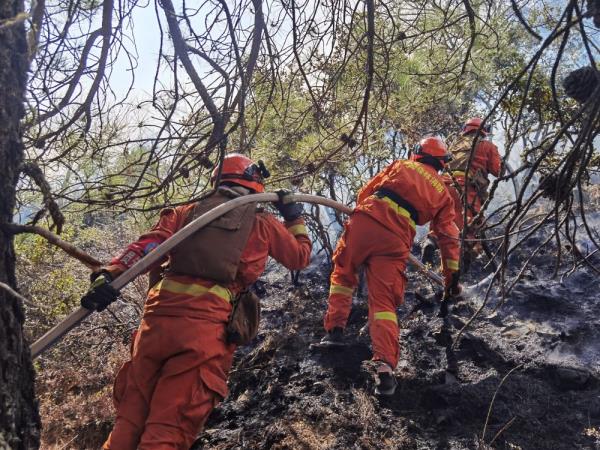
(522, 376)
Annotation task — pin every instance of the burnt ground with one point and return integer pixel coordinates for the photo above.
(285, 395)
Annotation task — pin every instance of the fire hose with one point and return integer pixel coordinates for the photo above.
(74, 318)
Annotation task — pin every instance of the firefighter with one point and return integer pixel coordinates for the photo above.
(474, 184)
(180, 353)
(379, 236)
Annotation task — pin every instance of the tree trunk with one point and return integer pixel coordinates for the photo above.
(19, 417)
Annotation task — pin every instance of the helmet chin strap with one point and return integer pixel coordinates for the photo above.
(232, 184)
(431, 161)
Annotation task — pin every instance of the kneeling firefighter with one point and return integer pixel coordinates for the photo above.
(379, 235)
(197, 313)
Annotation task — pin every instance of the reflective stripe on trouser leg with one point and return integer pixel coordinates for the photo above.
(384, 332)
(452, 264)
(343, 280)
(338, 309)
(385, 278)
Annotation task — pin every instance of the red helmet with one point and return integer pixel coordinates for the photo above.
(241, 170)
(432, 146)
(473, 124)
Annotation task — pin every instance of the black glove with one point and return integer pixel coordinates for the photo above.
(451, 290)
(289, 210)
(452, 286)
(101, 293)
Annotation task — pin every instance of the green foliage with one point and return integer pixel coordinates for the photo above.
(74, 378)
(421, 86)
(431, 70)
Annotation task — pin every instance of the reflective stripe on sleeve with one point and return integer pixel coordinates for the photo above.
(298, 229)
(398, 210)
(458, 173)
(339, 289)
(194, 290)
(386, 315)
(452, 264)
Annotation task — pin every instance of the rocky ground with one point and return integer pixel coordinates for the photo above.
(525, 376)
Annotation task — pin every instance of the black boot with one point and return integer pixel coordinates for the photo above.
(386, 381)
(334, 337)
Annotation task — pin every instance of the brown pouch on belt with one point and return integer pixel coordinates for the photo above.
(244, 320)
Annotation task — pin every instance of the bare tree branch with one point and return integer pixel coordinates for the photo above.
(52, 238)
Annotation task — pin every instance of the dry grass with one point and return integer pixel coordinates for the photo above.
(365, 408)
(303, 435)
(76, 401)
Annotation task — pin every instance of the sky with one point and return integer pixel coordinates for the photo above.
(147, 38)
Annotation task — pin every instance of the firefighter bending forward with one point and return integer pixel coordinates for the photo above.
(180, 357)
(379, 235)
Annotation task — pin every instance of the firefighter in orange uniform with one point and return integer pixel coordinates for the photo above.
(180, 355)
(474, 184)
(379, 235)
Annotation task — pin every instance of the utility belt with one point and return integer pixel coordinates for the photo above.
(399, 205)
(194, 289)
(244, 319)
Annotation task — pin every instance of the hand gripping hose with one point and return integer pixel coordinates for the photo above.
(73, 319)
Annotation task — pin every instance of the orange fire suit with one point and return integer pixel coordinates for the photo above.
(180, 360)
(485, 159)
(379, 235)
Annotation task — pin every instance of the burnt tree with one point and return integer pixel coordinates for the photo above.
(19, 418)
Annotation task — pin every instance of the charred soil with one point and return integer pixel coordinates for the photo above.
(522, 377)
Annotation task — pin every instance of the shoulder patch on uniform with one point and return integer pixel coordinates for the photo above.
(149, 247)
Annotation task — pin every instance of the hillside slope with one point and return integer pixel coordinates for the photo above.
(285, 395)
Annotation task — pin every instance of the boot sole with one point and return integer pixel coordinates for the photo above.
(326, 345)
(386, 392)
